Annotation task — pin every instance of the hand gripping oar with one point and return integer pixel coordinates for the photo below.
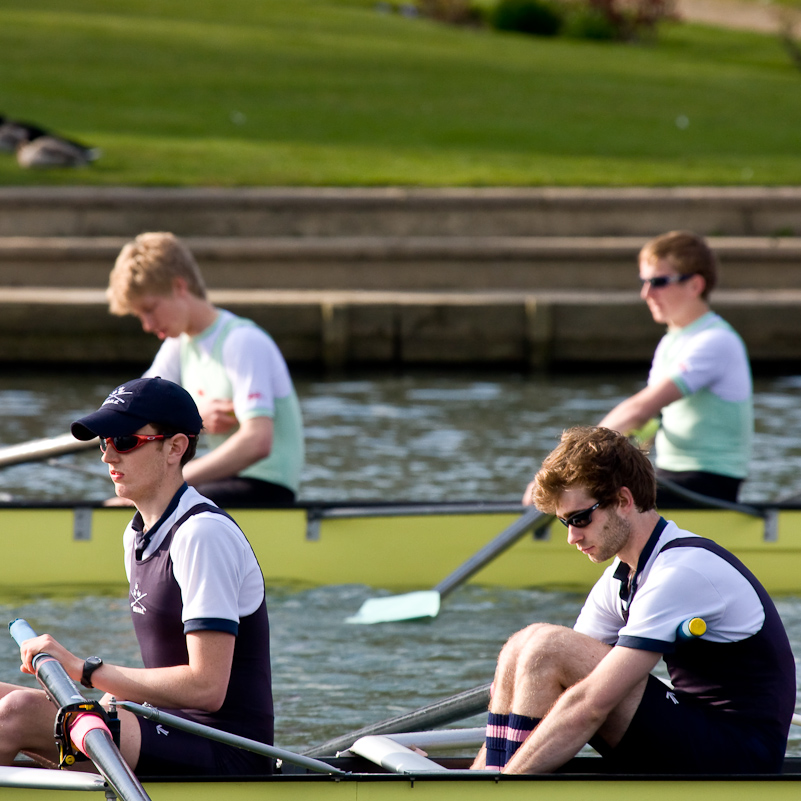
(415, 605)
(87, 729)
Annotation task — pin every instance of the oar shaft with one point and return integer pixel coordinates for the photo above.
(39, 449)
(530, 519)
(98, 744)
(152, 713)
(456, 707)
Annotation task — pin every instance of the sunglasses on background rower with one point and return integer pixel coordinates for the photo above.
(579, 519)
(660, 281)
(130, 442)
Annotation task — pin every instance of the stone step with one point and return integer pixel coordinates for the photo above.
(339, 329)
(414, 263)
(331, 212)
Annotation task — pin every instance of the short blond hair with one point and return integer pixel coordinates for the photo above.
(148, 266)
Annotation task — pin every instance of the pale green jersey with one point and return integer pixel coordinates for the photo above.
(234, 359)
(711, 427)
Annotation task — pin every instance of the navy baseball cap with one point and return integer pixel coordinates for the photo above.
(136, 403)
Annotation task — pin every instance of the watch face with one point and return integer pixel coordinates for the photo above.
(91, 664)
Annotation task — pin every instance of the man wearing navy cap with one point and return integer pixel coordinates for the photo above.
(197, 602)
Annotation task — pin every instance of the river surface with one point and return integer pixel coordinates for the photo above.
(416, 436)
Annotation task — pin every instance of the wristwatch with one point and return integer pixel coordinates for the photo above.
(89, 667)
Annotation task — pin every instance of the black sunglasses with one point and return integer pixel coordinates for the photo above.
(660, 281)
(579, 519)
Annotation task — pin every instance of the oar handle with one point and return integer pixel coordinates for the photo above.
(21, 630)
(49, 671)
(100, 747)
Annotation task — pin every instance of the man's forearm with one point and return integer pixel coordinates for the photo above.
(561, 734)
(177, 687)
(238, 452)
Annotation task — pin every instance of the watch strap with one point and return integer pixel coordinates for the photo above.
(89, 667)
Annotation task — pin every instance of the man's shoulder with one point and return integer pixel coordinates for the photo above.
(684, 549)
(675, 538)
(196, 511)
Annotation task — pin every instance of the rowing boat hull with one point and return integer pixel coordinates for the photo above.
(78, 549)
(443, 787)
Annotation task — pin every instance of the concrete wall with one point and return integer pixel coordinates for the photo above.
(399, 277)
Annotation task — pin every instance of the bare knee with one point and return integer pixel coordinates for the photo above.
(567, 655)
(17, 704)
(26, 718)
(521, 652)
(520, 640)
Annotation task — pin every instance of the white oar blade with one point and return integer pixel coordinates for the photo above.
(411, 606)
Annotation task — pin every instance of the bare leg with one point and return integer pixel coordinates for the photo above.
(27, 717)
(538, 664)
(26, 724)
(535, 666)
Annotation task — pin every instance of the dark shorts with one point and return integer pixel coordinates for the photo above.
(242, 493)
(712, 485)
(684, 737)
(167, 751)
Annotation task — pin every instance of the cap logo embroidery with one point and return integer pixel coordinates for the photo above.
(116, 398)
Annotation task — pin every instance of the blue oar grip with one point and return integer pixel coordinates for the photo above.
(20, 630)
(691, 628)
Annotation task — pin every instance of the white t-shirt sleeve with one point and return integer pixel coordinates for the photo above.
(715, 359)
(167, 362)
(216, 569)
(708, 588)
(257, 371)
(600, 616)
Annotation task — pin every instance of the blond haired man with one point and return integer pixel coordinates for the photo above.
(232, 369)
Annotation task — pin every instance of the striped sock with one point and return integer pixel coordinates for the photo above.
(497, 726)
(520, 726)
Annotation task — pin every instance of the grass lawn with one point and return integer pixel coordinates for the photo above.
(332, 92)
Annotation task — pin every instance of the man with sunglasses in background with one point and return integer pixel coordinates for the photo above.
(197, 603)
(699, 388)
(557, 689)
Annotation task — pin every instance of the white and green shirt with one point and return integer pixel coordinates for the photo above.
(234, 359)
(711, 427)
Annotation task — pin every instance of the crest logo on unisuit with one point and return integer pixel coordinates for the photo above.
(117, 397)
(136, 604)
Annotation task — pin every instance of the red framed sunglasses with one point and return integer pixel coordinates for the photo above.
(130, 442)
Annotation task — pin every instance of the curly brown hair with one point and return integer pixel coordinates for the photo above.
(600, 460)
